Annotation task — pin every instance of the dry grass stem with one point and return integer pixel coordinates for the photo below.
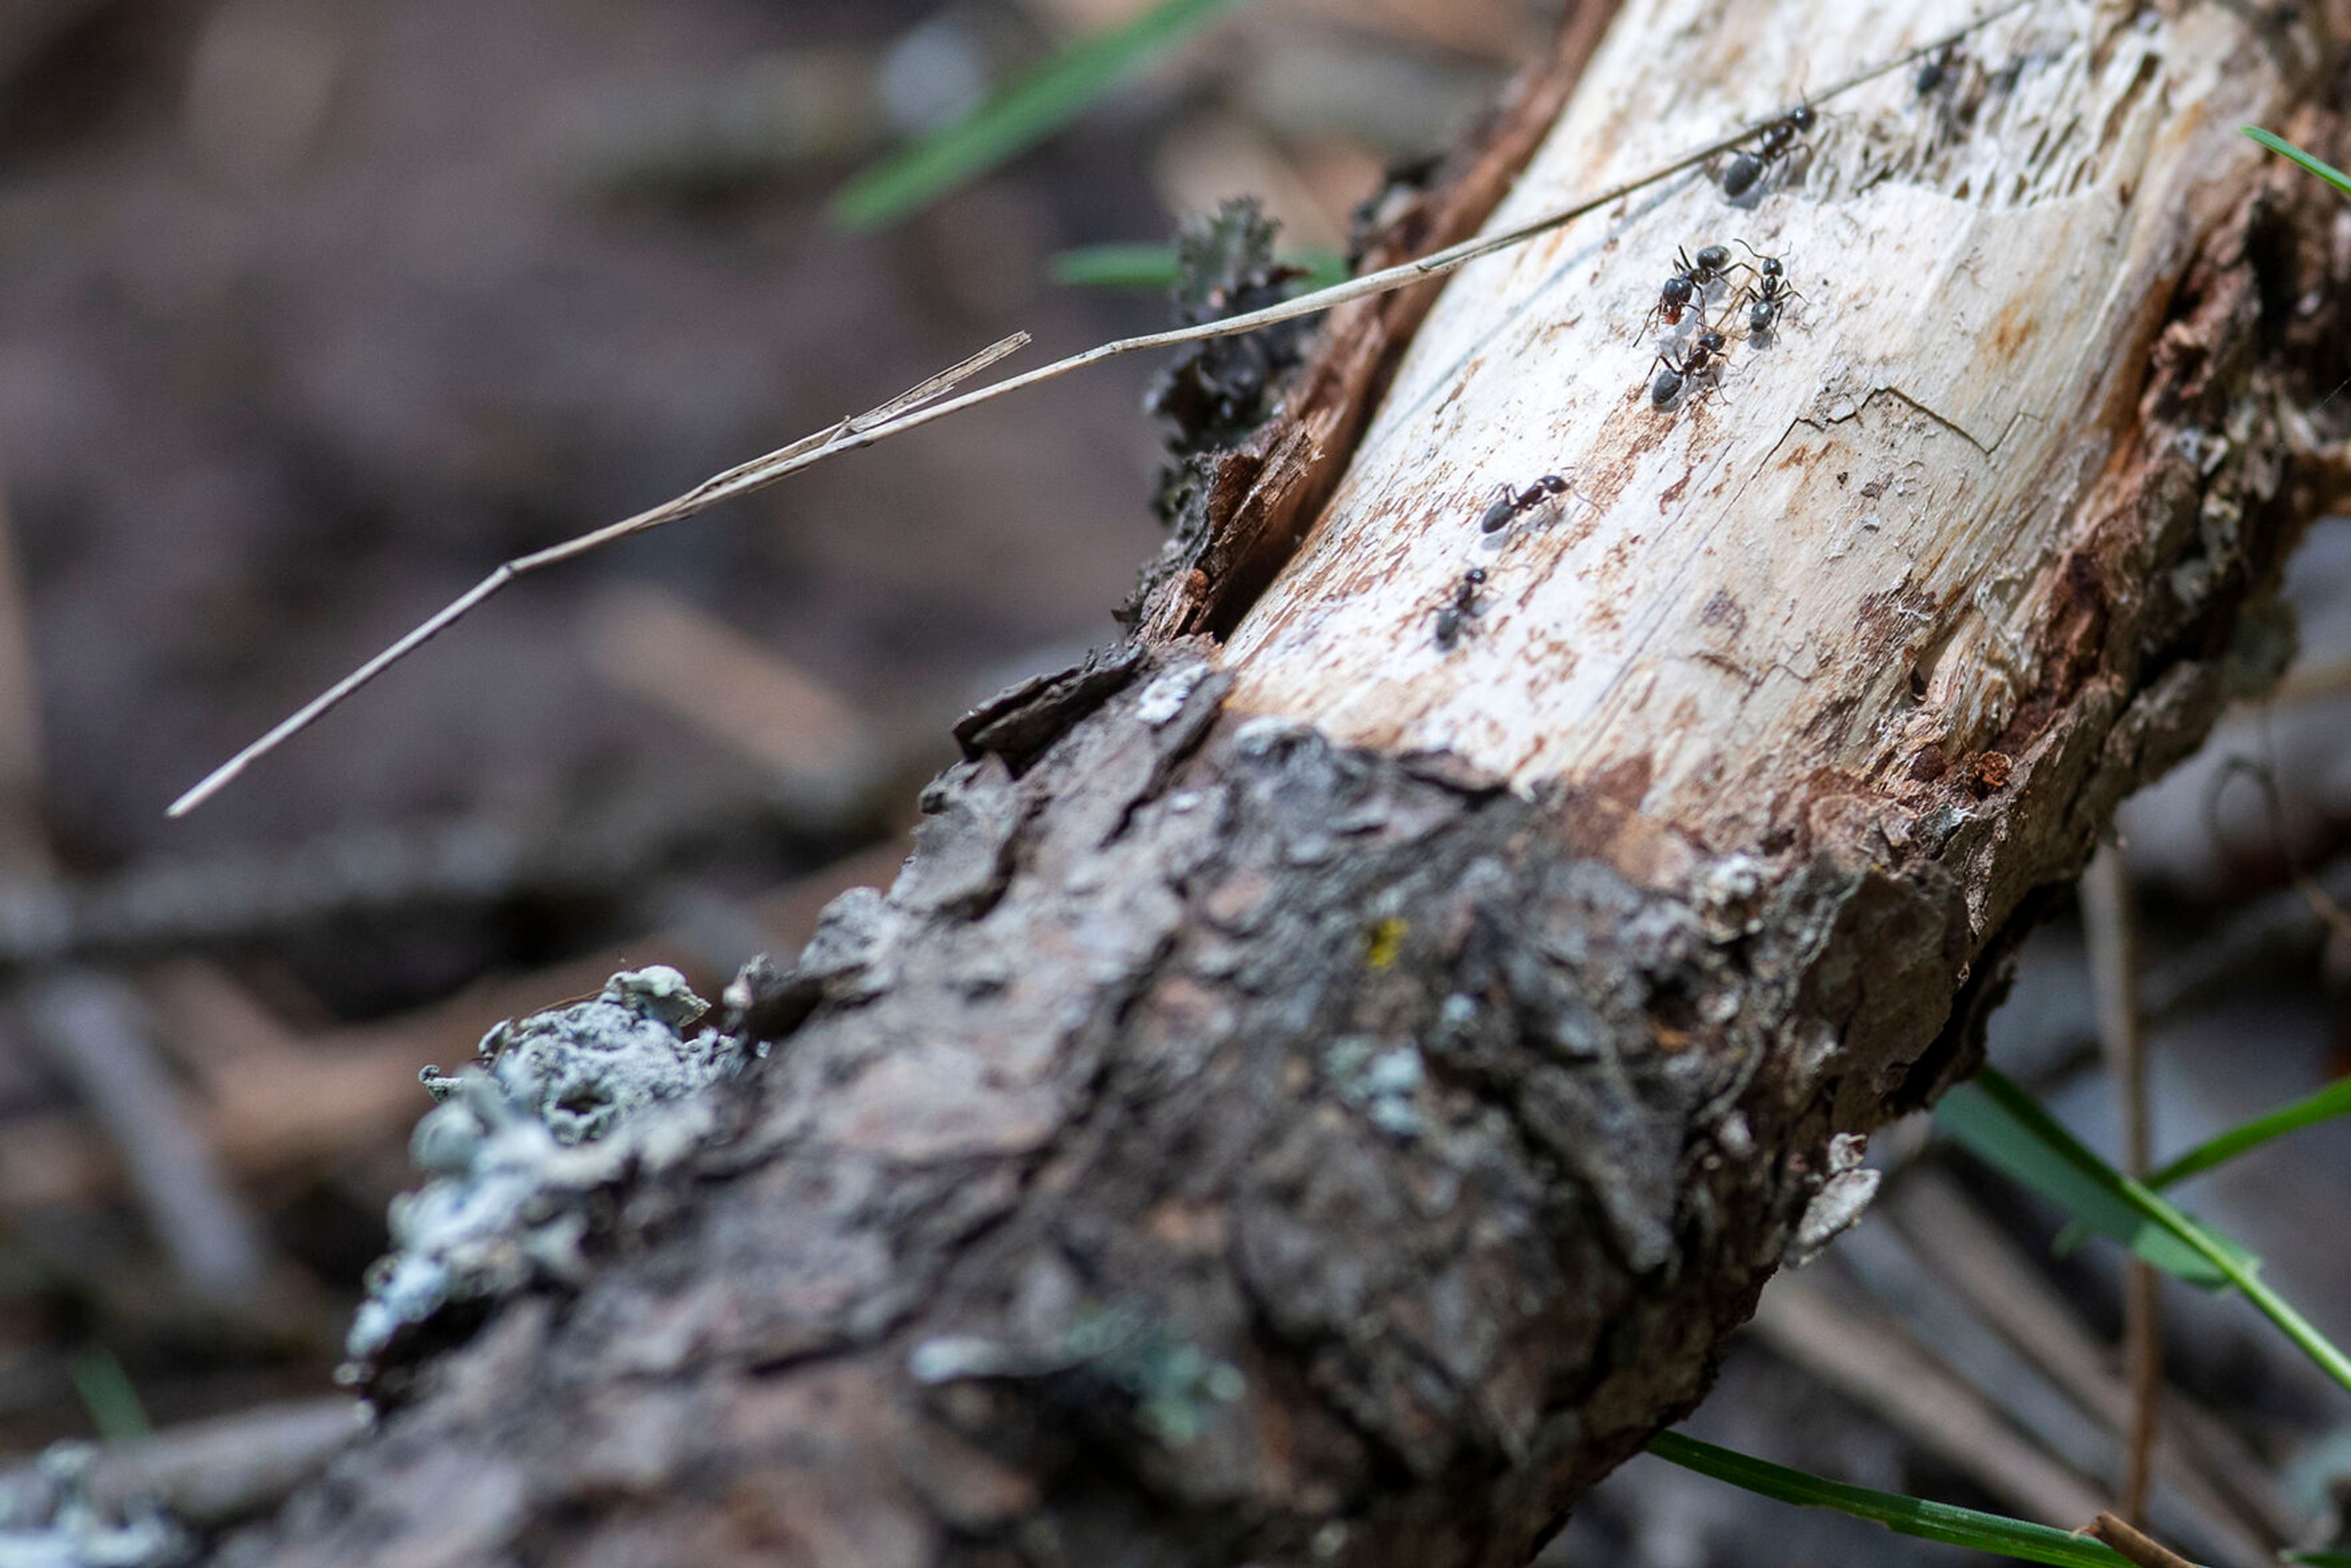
(2129, 1542)
(908, 411)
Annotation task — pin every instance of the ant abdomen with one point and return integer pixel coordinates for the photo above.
(1703, 359)
(1453, 616)
(1747, 168)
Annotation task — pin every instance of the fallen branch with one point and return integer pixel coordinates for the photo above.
(1327, 1094)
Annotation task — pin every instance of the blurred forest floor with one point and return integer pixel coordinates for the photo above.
(314, 311)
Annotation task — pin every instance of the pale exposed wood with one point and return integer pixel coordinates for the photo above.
(1750, 589)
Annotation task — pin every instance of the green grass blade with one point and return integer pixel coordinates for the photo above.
(2234, 1264)
(1153, 267)
(2317, 1559)
(1907, 1515)
(2284, 149)
(1018, 117)
(2026, 1144)
(107, 1394)
(2332, 1100)
(1139, 266)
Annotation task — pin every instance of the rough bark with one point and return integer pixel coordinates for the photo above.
(1313, 1096)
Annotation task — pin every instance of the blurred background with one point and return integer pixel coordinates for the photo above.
(312, 312)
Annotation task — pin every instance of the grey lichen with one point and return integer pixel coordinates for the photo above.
(1837, 1207)
(1729, 897)
(1384, 1084)
(1162, 700)
(1174, 1385)
(581, 1069)
(49, 1520)
(569, 1100)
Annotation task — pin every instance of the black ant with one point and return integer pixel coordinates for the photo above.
(1687, 287)
(1704, 358)
(1673, 297)
(1713, 262)
(1769, 294)
(1739, 175)
(1510, 504)
(1450, 617)
(1936, 71)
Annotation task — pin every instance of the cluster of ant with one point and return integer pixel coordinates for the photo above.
(1764, 295)
(1508, 505)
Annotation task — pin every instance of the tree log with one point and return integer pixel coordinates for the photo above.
(1315, 1094)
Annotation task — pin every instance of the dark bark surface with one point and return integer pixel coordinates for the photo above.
(1217, 1146)
(1220, 1145)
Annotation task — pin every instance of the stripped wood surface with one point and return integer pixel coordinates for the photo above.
(1839, 557)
